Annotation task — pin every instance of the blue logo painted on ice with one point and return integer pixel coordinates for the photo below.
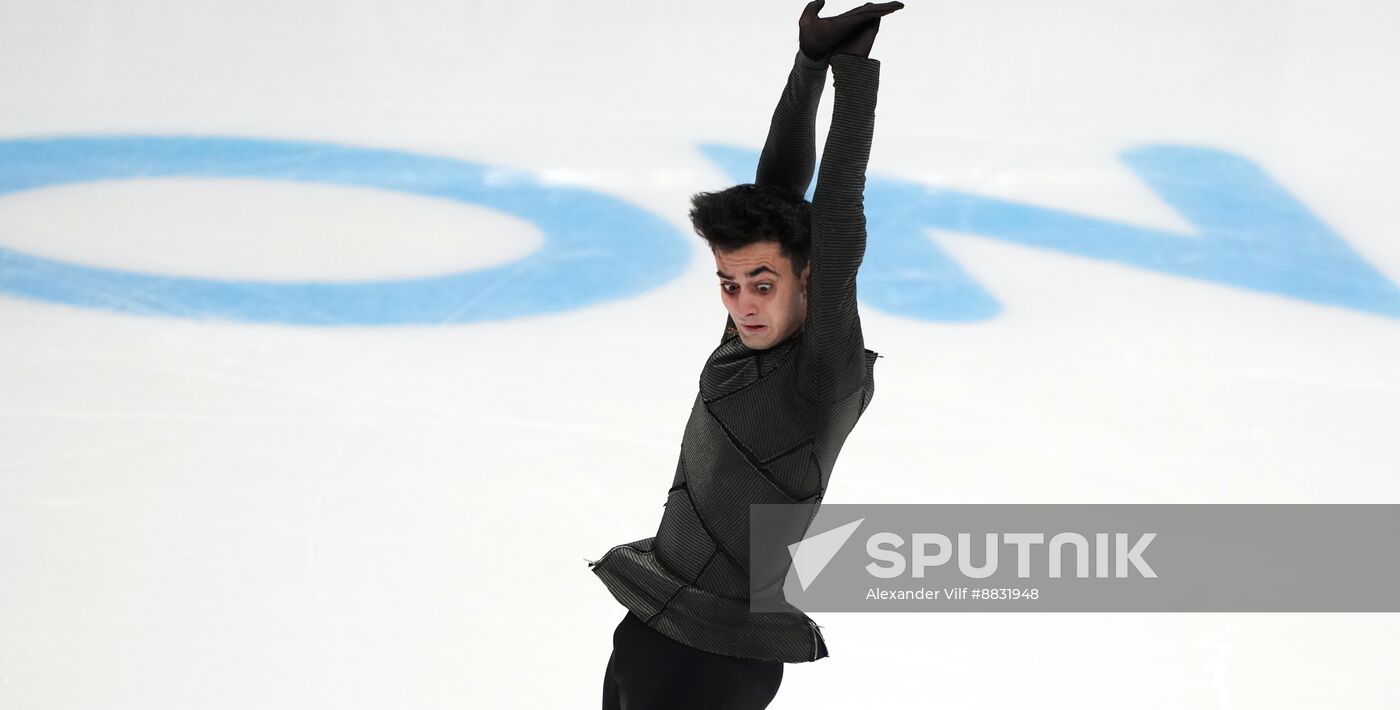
(1251, 234)
(597, 248)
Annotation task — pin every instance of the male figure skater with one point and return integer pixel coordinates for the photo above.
(777, 398)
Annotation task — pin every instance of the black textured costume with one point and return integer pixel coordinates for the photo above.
(767, 425)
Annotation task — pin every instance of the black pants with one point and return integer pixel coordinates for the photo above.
(649, 671)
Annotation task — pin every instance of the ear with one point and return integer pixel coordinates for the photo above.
(806, 276)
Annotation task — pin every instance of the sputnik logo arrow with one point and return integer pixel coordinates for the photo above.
(811, 555)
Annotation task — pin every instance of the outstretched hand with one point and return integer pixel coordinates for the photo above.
(851, 32)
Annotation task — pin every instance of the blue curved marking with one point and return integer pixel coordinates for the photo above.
(597, 248)
(1251, 234)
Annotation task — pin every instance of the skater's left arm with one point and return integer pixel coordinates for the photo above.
(835, 347)
(834, 350)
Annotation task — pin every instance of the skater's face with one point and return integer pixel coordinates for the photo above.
(767, 300)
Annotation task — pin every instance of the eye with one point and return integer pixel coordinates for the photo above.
(729, 287)
(765, 287)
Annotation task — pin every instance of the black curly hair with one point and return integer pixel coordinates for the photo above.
(745, 214)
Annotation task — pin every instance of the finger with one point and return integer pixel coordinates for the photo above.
(812, 8)
(884, 8)
(871, 10)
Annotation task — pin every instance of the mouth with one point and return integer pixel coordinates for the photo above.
(752, 328)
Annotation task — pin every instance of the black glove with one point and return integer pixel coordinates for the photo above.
(851, 32)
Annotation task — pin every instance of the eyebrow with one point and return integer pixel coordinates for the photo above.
(751, 274)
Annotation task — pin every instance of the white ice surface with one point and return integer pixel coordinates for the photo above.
(227, 515)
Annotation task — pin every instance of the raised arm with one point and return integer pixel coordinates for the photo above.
(834, 352)
(789, 156)
(790, 152)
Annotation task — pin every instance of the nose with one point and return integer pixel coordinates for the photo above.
(748, 304)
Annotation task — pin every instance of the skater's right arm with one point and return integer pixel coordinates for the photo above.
(790, 152)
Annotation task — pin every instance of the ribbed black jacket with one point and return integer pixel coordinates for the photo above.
(767, 425)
